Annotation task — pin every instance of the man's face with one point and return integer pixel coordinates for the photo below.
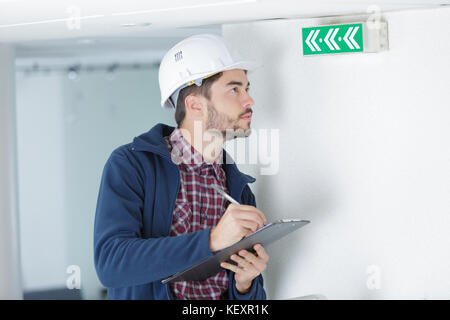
(229, 109)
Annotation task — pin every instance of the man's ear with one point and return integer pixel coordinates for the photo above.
(194, 106)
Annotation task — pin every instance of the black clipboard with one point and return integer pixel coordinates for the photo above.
(211, 266)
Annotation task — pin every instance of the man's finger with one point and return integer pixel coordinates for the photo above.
(250, 215)
(242, 262)
(232, 267)
(257, 262)
(245, 207)
(261, 252)
(249, 224)
(249, 232)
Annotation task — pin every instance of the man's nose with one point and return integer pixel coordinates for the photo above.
(248, 101)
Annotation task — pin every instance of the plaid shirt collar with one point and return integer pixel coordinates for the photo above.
(189, 157)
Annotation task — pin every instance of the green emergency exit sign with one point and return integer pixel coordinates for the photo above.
(333, 39)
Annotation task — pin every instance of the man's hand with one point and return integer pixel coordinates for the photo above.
(237, 222)
(249, 267)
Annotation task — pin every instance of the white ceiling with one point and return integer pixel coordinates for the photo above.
(68, 29)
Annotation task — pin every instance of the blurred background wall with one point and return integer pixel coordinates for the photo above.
(68, 124)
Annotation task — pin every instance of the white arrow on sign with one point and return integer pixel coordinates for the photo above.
(309, 43)
(346, 38)
(352, 41)
(332, 39)
(327, 41)
(313, 40)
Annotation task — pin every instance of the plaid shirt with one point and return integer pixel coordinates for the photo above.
(197, 207)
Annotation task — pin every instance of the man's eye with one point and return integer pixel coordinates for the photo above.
(236, 89)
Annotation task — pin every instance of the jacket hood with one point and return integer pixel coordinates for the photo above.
(153, 141)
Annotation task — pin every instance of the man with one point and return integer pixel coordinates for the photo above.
(157, 213)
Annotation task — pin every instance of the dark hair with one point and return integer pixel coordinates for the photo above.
(203, 90)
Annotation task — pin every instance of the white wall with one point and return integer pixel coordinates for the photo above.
(10, 281)
(364, 154)
(41, 181)
(66, 131)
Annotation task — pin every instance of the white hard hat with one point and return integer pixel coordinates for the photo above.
(194, 59)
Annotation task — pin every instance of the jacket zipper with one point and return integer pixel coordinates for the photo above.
(169, 294)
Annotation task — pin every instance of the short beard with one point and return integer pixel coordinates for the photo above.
(227, 126)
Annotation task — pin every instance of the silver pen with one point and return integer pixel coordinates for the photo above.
(228, 197)
(223, 193)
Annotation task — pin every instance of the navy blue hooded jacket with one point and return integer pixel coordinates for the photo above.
(133, 249)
